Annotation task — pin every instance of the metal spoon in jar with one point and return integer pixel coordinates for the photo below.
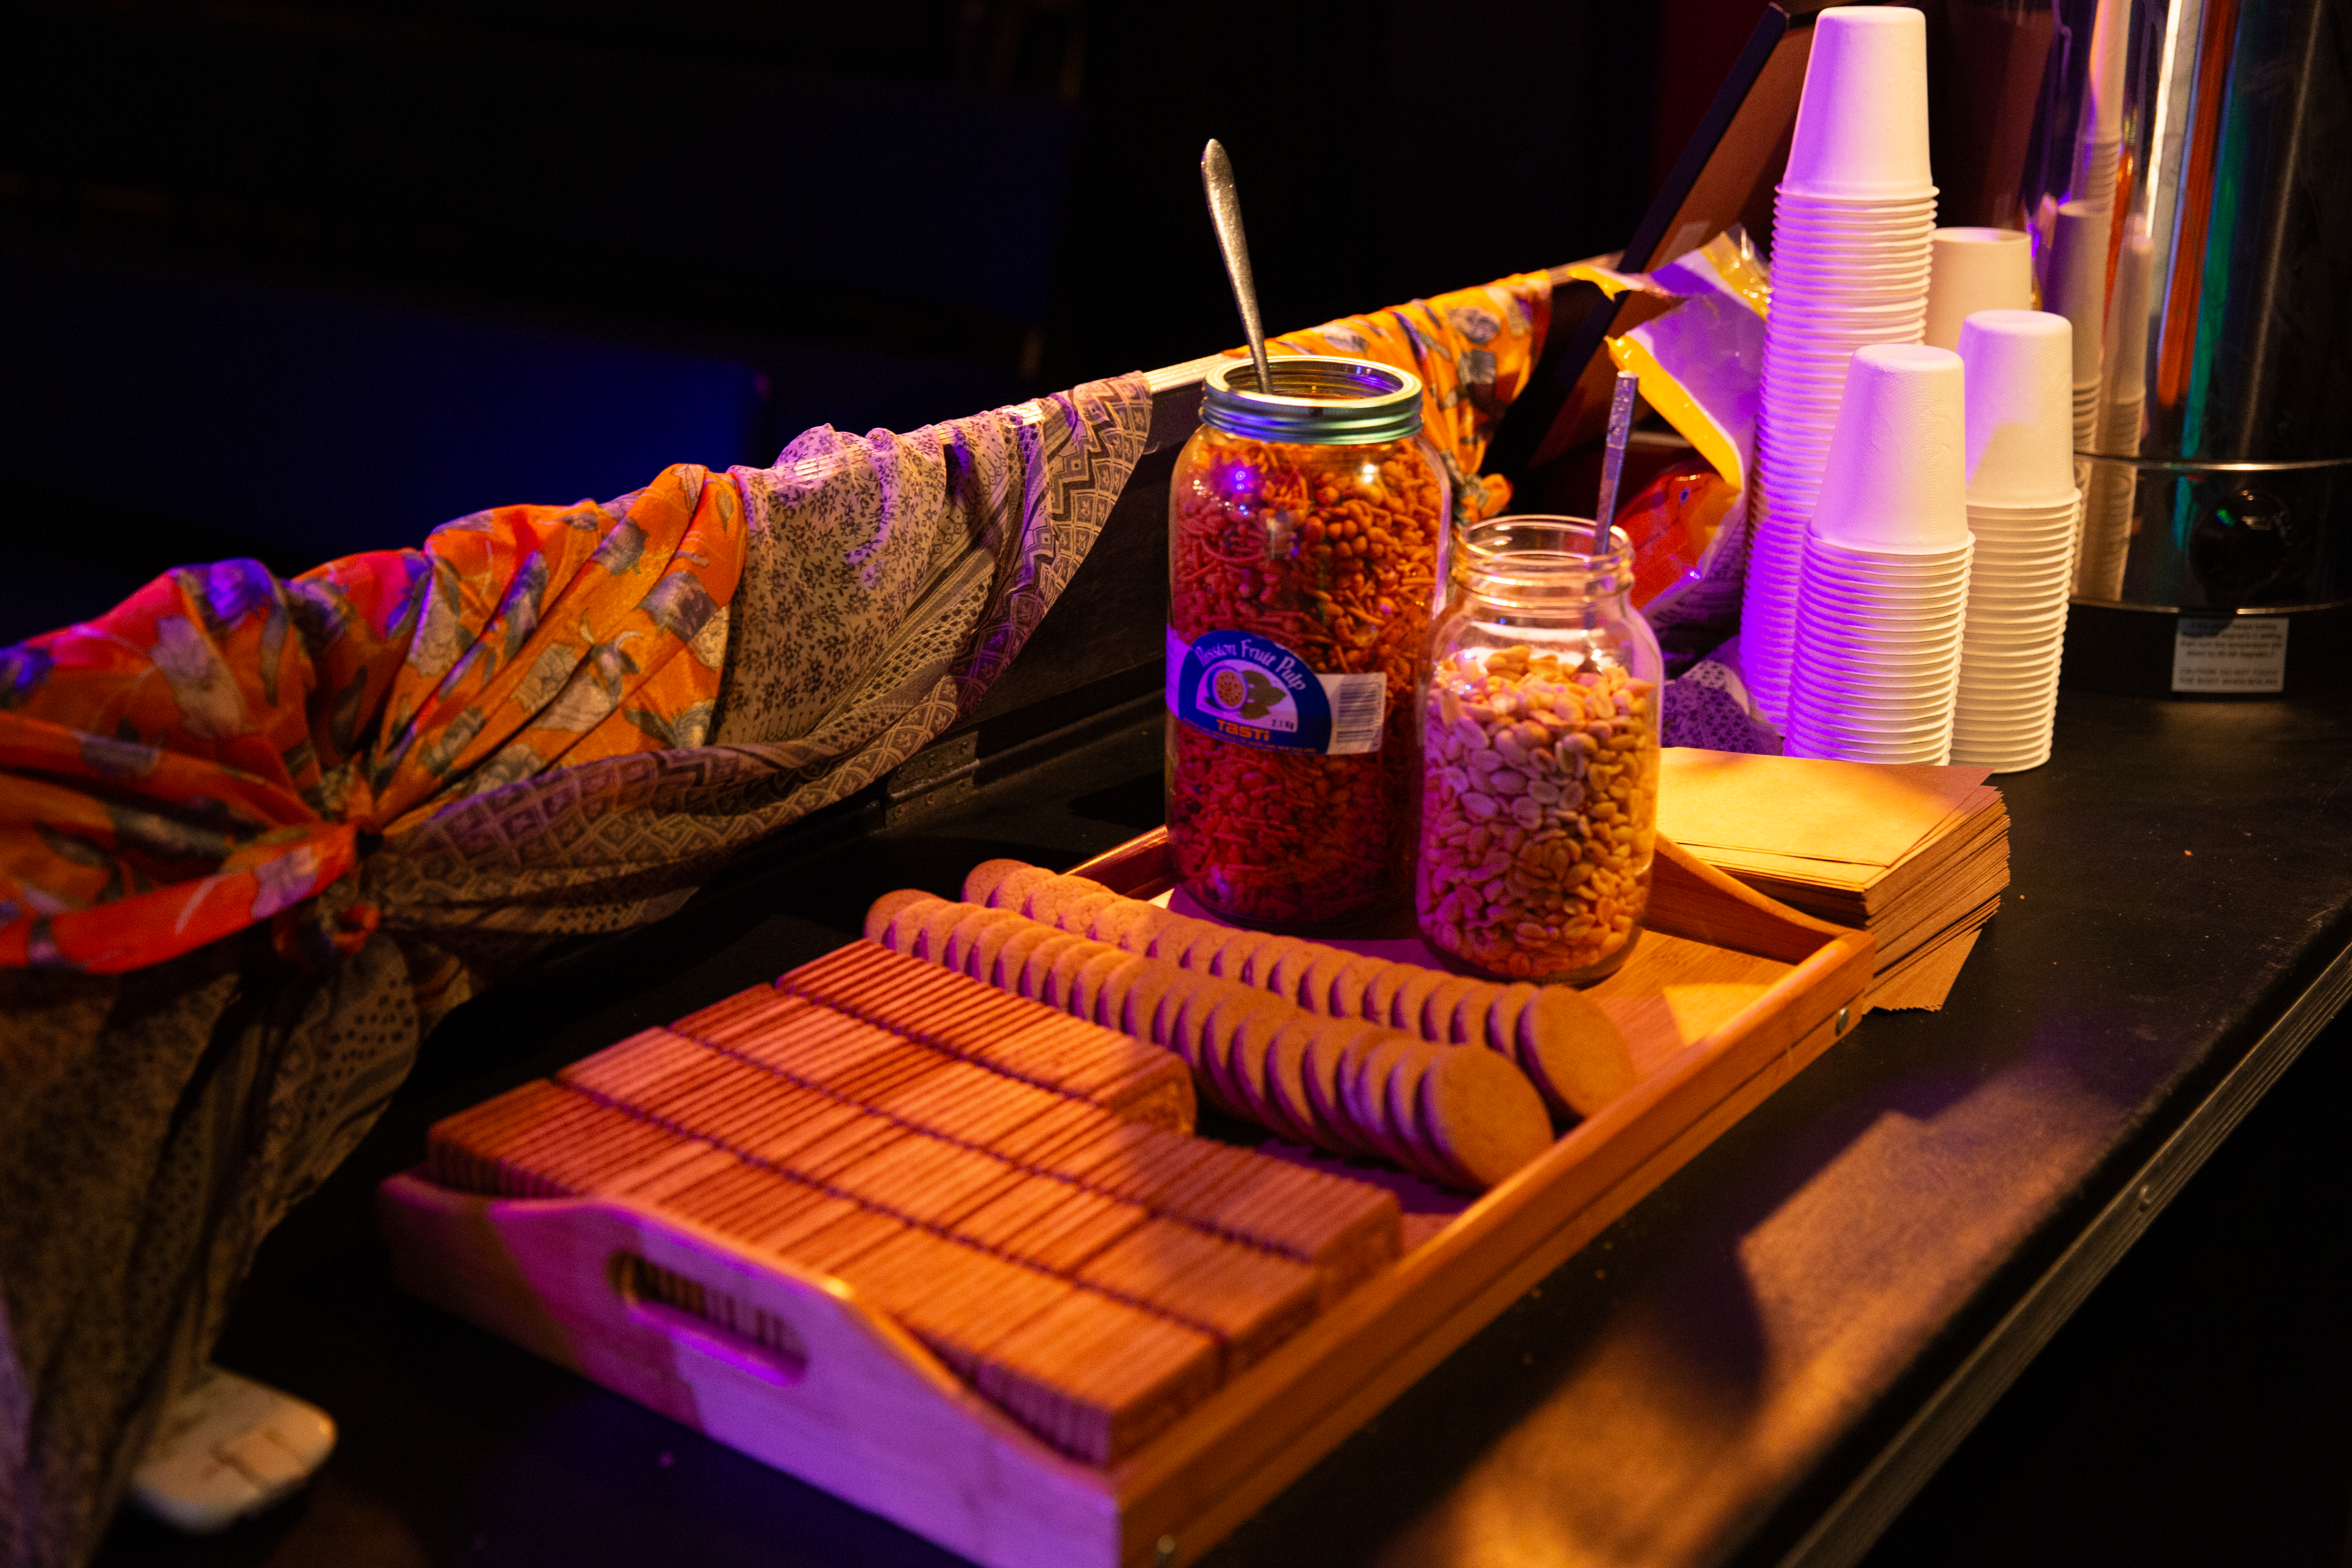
(1612, 458)
(1226, 212)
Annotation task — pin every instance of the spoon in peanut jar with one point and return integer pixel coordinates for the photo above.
(1225, 213)
(1612, 458)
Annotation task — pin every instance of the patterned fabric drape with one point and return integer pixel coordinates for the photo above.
(258, 836)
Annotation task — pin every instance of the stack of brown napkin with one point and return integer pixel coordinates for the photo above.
(1916, 855)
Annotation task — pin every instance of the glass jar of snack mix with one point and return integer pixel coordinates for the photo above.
(1539, 781)
(1306, 531)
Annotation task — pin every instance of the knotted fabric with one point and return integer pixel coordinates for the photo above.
(256, 836)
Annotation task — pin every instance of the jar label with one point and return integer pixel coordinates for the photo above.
(1244, 688)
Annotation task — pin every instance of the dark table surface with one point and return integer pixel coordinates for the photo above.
(1761, 1362)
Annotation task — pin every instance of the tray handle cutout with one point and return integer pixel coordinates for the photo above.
(750, 1339)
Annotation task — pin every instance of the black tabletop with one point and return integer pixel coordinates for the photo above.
(1760, 1362)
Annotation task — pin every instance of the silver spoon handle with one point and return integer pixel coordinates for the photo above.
(1225, 213)
(1612, 458)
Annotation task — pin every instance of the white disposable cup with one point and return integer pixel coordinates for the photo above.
(2021, 449)
(1862, 122)
(2014, 639)
(1990, 618)
(1926, 572)
(1838, 716)
(1888, 281)
(1973, 269)
(2015, 571)
(2019, 589)
(1995, 563)
(2021, 529)
(1898, 204)
(1831, 728)
(1895, 478)
(1864, 595)
(1881, 643)
(2078, 283)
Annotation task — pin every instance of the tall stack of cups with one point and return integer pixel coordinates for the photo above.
(1885, 590)
(2099, 131)
(2022, 507)
(2078, 291)
(1972, 269)
(2107, 497)
(1850, 232)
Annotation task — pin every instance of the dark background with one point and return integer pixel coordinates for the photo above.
(294, 280)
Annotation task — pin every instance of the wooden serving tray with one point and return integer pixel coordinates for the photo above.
(1725, 998)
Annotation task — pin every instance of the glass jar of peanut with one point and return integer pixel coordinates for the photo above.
(1540, 755)
(1306, 534)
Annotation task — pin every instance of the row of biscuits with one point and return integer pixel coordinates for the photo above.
(1093, 1272)
(1463, 1119)
(1565, 1045)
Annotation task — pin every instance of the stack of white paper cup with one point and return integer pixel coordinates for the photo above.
(1972, 269)
(2107, 499)
(2078, 291)
(1885, 595)
(2099, 130)
(1850, 261)
(2022, 508)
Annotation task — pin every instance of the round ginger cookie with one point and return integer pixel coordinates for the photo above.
(1198, 950)
(1574, 1053)
(1289, 965)
(1437, 1009)
(1110, 997)
(1185, 1013)
(1331, 1051)
(1013, 889)
(1286, 1061)
(1050, 898)
(1085, 999)
(930, 930)
(1061, 992)
(1484, 1114)
(967, 932)
(1310, 983)
(1470, 1015)
(1145, 1012)
(1004, 972)
(1502, 1033)
(883, 909)
(1038, 966)
(980, 961)
(1405, 1006)
(1378, 1004)
(1078, 914)
(1170, 935)
(1235, 1045)
(1124, 923)
(1267, 958)
(1401, 1101)
(905, 932)
(980, 882)
(1232, 957)
(1347, 993)
(1366, 1094)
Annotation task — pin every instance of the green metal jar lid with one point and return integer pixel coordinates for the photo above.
(1316, 398)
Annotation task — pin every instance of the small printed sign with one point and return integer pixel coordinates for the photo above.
(1248, 688)
(2229, 653)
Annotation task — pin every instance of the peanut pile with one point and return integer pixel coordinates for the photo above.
(1538, 811)
(1332, 553)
